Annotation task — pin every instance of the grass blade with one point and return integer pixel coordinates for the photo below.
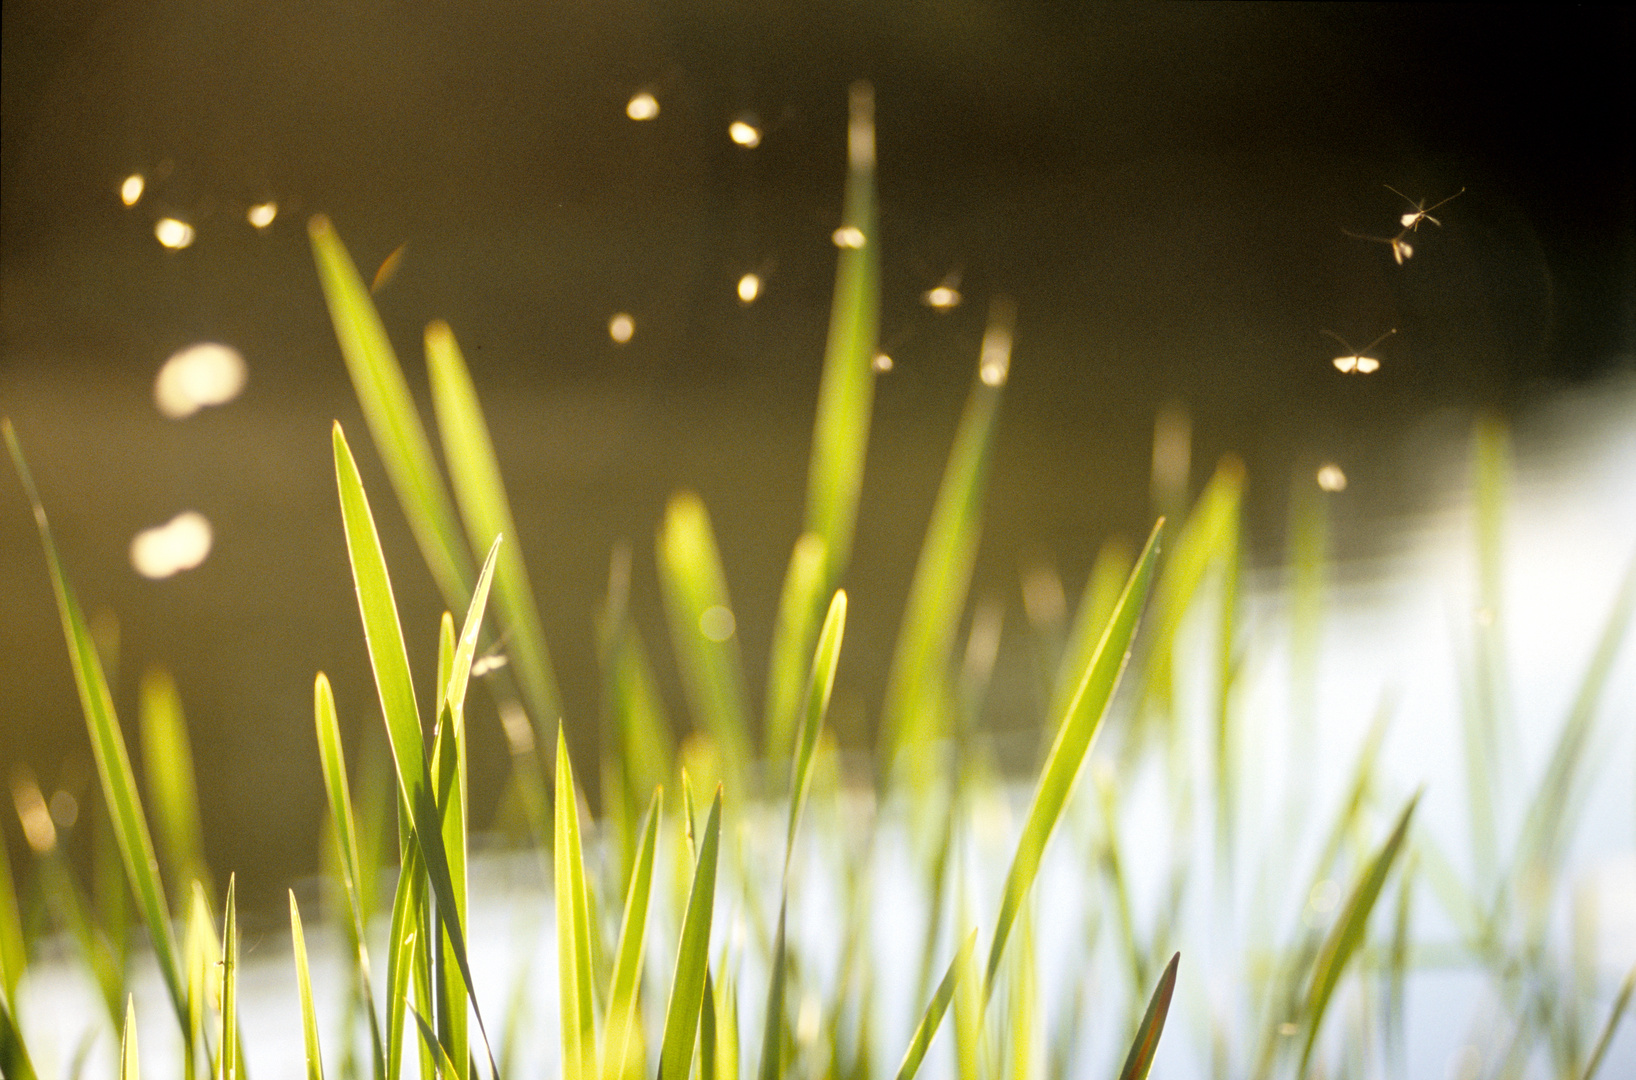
(202, 954)
(435, 1050)
(390, 412)
(228, 1049)
(574, 929)
(108, 748)
(687, 986)
(820, 683)
(390, 661)
(932, 1018)
(702, 627)
(14, 1059)
(167, 760)
(840, 436)
(912, 715)
(1146, 1044)
(13, 951)
(129, 1068)
(1594, 1062)
(1347, 933)
(481, 495)
(793, 631)
(333, 764)
(622, 1046)
(401, 939)
(303, 978)
(1102, 591)
(1073, 741)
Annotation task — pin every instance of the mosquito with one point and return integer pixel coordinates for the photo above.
(1358, 360)
(1401, 248)
(1421, 212)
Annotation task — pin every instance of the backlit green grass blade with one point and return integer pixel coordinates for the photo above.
(108, 748)
(390, 412)
(937, 593)
(1146, 1044)
(1102, 589)
(1208, 536)
(772, 1028)
(228, 1050)
(703, 629)
(481, 495)
(727, 1046)
(14, 1059)
(1594, 1062)
(644, 732)
(167, 761)
(820, 682)
(303, 978)
(840, 436)
(932, 1018)
(574, 930)
(202, 954)
(13, 953)
(1347, 934)
(449, 776)
(333, 764)
(793, 631)
(129, 1064)
(687, 986)
(1073, 740)
(401, 937)
(1552, 813)
(623, 1050)
(1022, 1011)
(390, 662)
(439, 1055)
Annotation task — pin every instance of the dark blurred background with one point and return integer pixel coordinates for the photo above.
(1161, 188)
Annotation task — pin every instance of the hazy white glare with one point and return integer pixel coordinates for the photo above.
(749, 287)
(173, 234)
(130, 192)
(1330, 478)
(883, 363)
(180, 544)
(32, 812)
(744, 133)
(848, 236)
(621, 327)
(261, 215)
(717, 623)
(994, 362)
(1172, 454)
(642, 106)
(199, 375)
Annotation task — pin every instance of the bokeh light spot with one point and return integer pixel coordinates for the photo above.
(261, 215)
(180, 544)
(1330, 478)
(199, 375)
(174, 234)
(744, 133)
(717, 623)
(621, 327)
(642, 106)
(848, 236)
(130, 192)
(749, 287)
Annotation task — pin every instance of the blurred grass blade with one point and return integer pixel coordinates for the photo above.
(692, 957)
(229, 1053)
(1146, 1044)
(390, 662)
(13, 951)
(840, 436)
(14, 1059)
(942, 578)
(1551, 814)
(1347, 934)
(820, 683)
(400, 943)
(129, 1068)
(793, 631)
(622, 1046)
(481, 494)
(333, 764)
(202, 953)
(1486, 730)
(108, 748)
(703, 628)
(932, 1018)
(1102, 591)
(390, 412)
(574, 930)
(1073, 741)
(167, 760)
(727, 1044)
(1207, 536)
(303, 978)
(772, 1029)
(1594, 1062)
